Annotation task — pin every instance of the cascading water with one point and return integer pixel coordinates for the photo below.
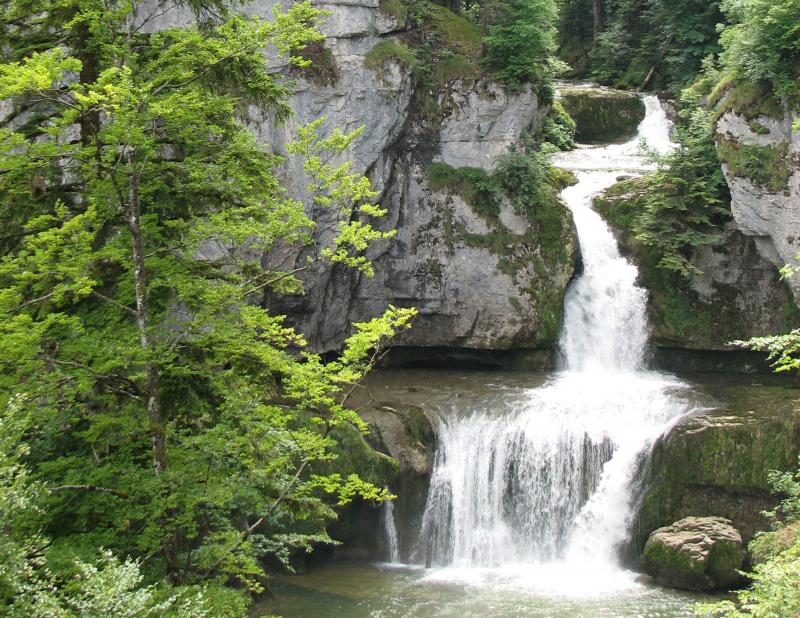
(538, 490)
(390, 533)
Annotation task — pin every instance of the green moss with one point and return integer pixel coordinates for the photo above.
(765, 165)
(355, 456)
(666, 562)
(390, 51)
(602, 115)
(473, 184)
(758, 128)
(744, 98)
(531, 186)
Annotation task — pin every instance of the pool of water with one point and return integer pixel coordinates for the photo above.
(365, 590)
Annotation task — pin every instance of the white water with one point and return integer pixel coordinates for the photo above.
(537, 492)
(390, 533)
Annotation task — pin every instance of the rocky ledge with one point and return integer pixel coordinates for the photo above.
(716, 461)
(759, 146)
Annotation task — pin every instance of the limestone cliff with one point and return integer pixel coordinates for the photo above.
(760, 152)
(500, 291)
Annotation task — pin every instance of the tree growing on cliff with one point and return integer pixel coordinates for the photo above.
(167, 415)
(521, 40)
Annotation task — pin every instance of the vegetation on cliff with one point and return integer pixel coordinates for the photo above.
(774, 590)
(512, 41)
(162, 434)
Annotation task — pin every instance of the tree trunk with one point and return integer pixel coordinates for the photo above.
(157, 432)
(597, 13)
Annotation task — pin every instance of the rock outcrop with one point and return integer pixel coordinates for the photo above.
(476, 285)
(602, 115)
(716, 462)
(735, 294)
(396, 453)
(695, 553)
(760, 154)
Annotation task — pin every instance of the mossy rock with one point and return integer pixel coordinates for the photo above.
(696, 553)
(603, 115)
(717, 463)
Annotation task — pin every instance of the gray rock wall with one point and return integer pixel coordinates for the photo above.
(768, 213)
(465, 299)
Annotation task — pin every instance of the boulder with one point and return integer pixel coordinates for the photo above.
(696, 553)
(602, 114)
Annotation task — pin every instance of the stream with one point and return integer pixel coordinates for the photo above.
(532, 489)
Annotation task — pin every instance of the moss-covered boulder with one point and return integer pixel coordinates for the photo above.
(602, 114)
(717, 462)
(396, 453)
(695, 553)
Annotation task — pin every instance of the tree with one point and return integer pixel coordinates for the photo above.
(763, 42)
(522, 40)
(169, 416)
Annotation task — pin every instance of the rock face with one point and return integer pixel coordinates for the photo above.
(602, 115)
(396, 453)
(695, 553)
(737, 294)
(467, 295)
(761, 160)
(717, 462)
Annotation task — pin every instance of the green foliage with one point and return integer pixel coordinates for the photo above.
(558, 129)
(669, 37)
(762, 44)
(159, 411)
(521, 41)
(783, 350)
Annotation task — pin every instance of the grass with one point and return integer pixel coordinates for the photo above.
(472, 184)
(765, 165)
(454, 67)
(390, 51)
(456, 33)
(394, 8)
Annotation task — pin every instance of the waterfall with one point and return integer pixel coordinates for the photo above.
(390, 533)
(538, 489)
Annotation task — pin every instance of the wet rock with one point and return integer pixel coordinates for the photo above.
(695, 553)
(602, 114)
